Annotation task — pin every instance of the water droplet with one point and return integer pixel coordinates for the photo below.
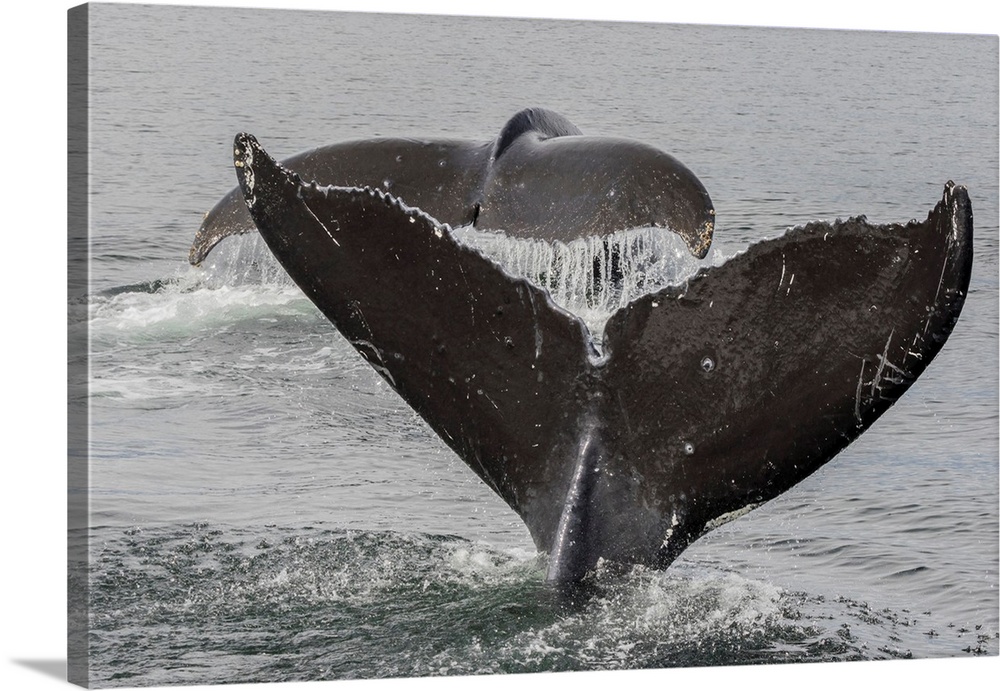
(689, 448)
(707, 364)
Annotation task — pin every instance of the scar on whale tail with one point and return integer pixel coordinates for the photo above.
(708, 398)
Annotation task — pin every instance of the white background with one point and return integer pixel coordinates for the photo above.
(33, 274)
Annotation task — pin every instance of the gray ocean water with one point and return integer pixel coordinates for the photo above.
(264, 508)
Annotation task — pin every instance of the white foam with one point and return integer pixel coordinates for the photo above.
(639, 613)
(706, 602)
(174, 310)
(481, 562)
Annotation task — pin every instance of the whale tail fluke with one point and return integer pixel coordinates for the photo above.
(540, 177)
(711, 397)
(747, 379)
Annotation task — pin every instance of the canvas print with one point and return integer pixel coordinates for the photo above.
(410, 345)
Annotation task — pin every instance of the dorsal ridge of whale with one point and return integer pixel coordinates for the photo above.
(711, 397)
(574, 530)
(546, 124)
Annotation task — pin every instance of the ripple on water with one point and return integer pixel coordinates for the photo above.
(292, 604)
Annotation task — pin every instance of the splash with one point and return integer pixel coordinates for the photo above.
(593, 277)
(349, 603)
(243, 282)
(178, 311)
(240, 261)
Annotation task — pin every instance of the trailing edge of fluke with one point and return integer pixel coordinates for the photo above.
(709, 398)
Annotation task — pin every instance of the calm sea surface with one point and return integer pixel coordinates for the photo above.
(264, 507)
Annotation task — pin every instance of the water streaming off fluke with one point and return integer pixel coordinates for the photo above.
(594, 276)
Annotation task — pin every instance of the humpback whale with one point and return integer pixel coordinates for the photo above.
(705, 399)
(540, 177)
